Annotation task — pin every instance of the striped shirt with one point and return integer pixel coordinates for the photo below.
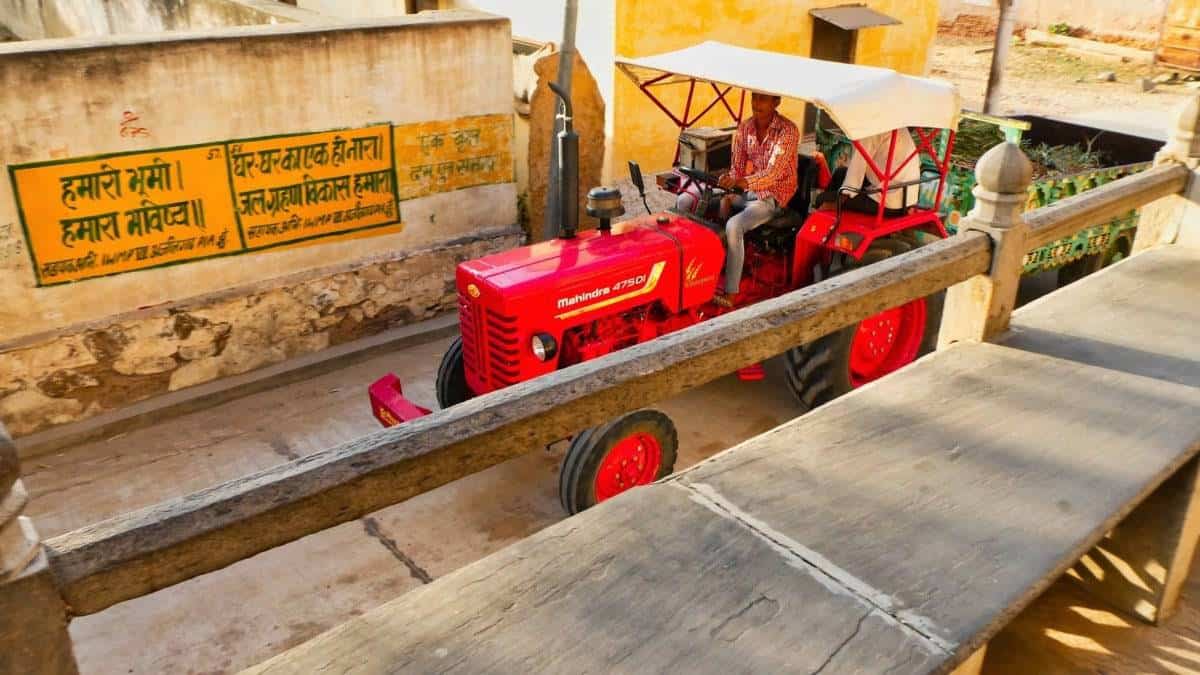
(768, 164)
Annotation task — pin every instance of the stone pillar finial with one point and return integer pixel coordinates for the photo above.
(33, 615)
(979, 308)
(1002, 177)
(18, 540)
(1183, 144)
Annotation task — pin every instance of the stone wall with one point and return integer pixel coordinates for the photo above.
(131, 358)
(73, 350)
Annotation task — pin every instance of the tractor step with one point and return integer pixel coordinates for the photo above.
(754, 373)
(388, 403)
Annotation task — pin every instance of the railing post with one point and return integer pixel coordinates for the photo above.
(979, 308)
(1176, 219)
(33, 616)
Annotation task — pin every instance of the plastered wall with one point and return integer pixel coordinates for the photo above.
(70, 350)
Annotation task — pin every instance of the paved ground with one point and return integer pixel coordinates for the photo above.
(1053, 81)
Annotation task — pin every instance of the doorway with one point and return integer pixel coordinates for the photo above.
(829, 43)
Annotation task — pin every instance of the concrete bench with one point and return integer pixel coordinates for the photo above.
(896, 529)
(1142, 317)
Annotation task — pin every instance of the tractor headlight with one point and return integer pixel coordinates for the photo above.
(544, 346)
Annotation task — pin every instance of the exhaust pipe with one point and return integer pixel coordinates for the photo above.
(562, 195)
(568, 168)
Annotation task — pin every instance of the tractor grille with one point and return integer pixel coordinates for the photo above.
(468, 324)
(503, 348)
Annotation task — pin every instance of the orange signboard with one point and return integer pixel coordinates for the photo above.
(106, 215)
(122, 212)
(294, 188)
(442, 156)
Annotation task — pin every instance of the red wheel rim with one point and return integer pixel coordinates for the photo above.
(633, 461)
(885, 342)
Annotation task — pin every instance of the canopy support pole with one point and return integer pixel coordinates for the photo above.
(1004, 31)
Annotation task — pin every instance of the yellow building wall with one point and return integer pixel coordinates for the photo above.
(642, 132)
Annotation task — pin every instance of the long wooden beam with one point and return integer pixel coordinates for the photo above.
(1098, 205)
(143, 551)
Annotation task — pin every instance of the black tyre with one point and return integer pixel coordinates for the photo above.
(634, 449)
(1078, 269)
(451, 381)
(837, 363)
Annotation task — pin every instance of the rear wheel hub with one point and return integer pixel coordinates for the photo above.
(633, 461)
(886, 342)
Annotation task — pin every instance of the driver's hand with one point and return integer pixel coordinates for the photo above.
(726, 181)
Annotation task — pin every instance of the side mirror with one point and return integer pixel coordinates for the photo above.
(635, 175)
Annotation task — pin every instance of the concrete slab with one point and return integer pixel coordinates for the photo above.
(653, 581)
(1139, 316)
(960, 520)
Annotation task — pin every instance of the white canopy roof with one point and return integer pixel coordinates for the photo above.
(862, 100)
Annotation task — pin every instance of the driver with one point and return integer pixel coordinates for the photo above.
(763, 165)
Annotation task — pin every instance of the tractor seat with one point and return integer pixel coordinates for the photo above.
(793, 215)
(778, 233)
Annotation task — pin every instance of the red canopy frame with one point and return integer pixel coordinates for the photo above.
(925, 144)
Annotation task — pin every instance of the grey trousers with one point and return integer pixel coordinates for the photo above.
(757, 211)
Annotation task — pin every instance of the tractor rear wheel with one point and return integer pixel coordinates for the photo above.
(451, 383)
(604, 461)
(839, 362)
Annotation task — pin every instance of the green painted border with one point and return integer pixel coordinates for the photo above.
(233, 202)
(391, 131)
(37, 275)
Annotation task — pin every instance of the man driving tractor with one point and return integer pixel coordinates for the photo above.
(763, 166)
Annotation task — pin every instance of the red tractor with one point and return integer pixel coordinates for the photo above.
(535, 309)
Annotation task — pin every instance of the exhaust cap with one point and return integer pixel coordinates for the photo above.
(605, 203)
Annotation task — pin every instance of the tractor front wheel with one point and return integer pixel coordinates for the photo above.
(839, 362)
(604, 461)
(451, 383)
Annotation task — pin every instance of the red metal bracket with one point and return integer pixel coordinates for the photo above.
(388, 403)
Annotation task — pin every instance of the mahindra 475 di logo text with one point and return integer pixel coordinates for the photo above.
(564, 303)
(603, 291)
(624, 289)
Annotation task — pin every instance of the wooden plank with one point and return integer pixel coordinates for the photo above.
(1068, 216)
(650, 582)
(959, 488)
(141, 552)
(1140, 316)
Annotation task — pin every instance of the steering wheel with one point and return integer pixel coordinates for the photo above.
(699, 176)
(707, 179)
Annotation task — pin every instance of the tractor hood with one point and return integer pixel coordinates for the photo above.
(558, 270)
(591, 274)
(557, 256)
